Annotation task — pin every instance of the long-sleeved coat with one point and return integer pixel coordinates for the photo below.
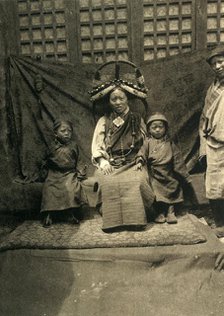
(166, 169)
(125, 194)
(211, 132)
(62, 190)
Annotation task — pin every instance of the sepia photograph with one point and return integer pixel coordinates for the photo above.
(112, 157)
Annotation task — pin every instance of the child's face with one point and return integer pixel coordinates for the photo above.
(157, 129)
(64, 133)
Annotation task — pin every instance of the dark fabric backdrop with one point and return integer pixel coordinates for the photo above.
(177, 88)
(31, 112)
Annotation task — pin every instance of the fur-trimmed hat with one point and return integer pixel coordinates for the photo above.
(157, 117)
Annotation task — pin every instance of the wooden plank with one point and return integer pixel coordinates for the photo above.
(13, 27)
(218, 20)
(135, 31)
(200, 24)
(73, 30)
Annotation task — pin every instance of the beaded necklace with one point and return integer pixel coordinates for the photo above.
(119, 161)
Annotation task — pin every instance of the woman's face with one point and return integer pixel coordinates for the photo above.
(157, 129)
(118, 101)
(64, 133)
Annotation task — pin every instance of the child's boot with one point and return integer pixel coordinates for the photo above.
(47, 221)
(72, 219)
(171, 217)
(160, 219)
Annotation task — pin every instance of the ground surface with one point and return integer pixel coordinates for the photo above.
(178, 280)
(175, 280)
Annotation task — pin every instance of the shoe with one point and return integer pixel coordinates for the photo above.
(160, 219)
(47, 222)
(171, 218)
(73, 220)
(135, 228)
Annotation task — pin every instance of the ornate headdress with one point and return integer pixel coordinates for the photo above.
(105, 85)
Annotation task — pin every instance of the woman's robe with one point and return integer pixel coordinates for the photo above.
(125, 194)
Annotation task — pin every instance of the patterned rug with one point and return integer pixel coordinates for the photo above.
(88, 234)
(7, 225)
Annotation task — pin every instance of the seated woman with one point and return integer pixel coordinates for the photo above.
(124, 193)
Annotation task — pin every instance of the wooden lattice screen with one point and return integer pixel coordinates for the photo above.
(104, 30)
(42, 28)
(95, 31)
(168, 27)
(215, 22)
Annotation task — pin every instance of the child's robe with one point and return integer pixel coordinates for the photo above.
(62, 189)
(166, 168)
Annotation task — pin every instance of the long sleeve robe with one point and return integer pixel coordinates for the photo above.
(166, 167)
(211, 132)
(101, 138)
(62, 190)
(125, 194)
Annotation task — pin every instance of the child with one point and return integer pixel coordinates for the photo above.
(166, 168)
(62, 191)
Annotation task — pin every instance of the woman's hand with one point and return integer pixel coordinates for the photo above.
(138, 166)
(106, 167)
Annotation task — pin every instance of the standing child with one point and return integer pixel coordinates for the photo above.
(166, 168)
(62, 191)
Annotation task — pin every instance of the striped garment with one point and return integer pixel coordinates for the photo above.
(125, 196)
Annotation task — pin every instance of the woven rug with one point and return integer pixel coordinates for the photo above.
(4, 231)
(88, 234)
(7, 225)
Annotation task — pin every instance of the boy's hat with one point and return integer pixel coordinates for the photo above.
(218, 51)
(157, 117)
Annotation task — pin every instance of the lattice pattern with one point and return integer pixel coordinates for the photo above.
(104, 30)
(168, 27)
(215, 22)
(42, 28)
